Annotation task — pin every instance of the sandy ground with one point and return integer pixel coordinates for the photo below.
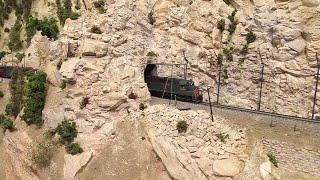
(128, 157)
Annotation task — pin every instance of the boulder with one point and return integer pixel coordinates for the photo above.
(227, 167)
(112, 100)
(265, 170)
(74, 163)
(68, 69)
(297, 45)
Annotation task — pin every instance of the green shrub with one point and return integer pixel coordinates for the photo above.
(151, 18)
(273, 159)
(182, 126)
(74, 149)
(228, 2)
(228, 53)
(2, 54)
(232, 28)
(49, 28)
(225, 73)
(15, 42)
(241, 61)
(220, 58)
(232, 16)
(99, 5)
(251, 37)
(96, 30)
(221, 24)
(17, 91)
(74, 16)
(6, 123)
(67, 131)
(1, 94)
(222, 137)
(42, 152)
(59, 64)
(244, 49)
(63, 85)
(78, 5)
(20, 56)
(84, 102)
(35, 93)
(142, 106)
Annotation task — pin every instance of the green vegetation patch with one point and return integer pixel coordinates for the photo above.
(47, 26)
(73, 149)
(35, 92)
(67, 131)
(65, 11)
(273, 159)
(222, 137)
(6, 123)
(182, 126)
(15, 42)
(96, 30)
(99, 5)
(17, 91)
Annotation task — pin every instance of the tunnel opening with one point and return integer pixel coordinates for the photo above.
(150, 70)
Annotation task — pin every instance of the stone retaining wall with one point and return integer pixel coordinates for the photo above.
(302, 159)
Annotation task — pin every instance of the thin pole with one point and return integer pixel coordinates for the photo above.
(261, 81)
(316, 89)
(219, 80)
(208, 90)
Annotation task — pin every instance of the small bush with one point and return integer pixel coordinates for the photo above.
(42, 152)
(96, 30)
(251, 37)
(241, 61)
(151, 18)
(220, 58)
(84, 102)
(225, 73)
(59, 64)
(228, 54)
(221, 24)
(228, 2)
(182, 126)
(20, 56)
(99, 5)
(74, 149)
(2, 54)
(67, 131)
(222, 137)
(232, 16)
(232, 27)
(1, 94)
(6, 123)
(78, 5)
(273, 159)
(142, 106)
(244, 49)
(63, 85)
(74, 16)
(6, 30)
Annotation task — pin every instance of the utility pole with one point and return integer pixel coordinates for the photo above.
(208, 90)
(316, 89)
(219, 79)
(261, 82)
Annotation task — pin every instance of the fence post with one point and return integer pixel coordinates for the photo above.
(316, 89)
(219, 79)
(208, 90)
(261, 82)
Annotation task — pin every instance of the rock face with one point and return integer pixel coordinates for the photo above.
(227, 167)
(205, 151)
(73, 164)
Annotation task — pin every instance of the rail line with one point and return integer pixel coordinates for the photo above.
(239, 109)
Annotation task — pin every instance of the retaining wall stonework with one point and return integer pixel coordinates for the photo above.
(301, 159)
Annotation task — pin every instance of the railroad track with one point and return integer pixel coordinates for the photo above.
(206, 105)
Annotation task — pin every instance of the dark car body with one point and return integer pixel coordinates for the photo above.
(180, 89)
